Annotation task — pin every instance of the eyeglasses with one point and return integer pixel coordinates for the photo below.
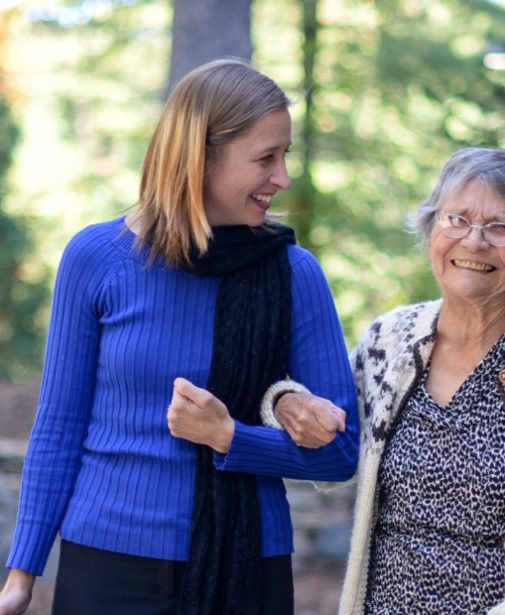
(457, 227)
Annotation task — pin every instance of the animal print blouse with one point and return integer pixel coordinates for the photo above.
(438, 546)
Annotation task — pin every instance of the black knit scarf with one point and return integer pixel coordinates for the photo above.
(251, 337)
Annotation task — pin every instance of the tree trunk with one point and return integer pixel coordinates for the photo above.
(204, 30)
(306, 193)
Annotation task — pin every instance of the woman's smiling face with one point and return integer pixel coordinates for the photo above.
(241, 179)
(470, 268)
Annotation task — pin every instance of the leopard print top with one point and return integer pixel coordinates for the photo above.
(387, 366)
(438, 546)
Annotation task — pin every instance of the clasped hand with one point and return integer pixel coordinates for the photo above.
(200, 417)
(311, 421)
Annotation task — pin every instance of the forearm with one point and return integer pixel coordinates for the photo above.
(53, 459)
(270, 452)
(318, 356)
(56, 443)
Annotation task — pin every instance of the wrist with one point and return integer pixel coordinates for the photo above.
(275, 391)
(276, 399)
(21, 579)
(228, 431)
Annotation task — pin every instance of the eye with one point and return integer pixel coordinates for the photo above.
(286, 152)
(266, 158)
(457, 221)
(496, 228)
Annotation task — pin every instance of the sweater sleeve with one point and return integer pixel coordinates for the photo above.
(318, 360)
(56, 442)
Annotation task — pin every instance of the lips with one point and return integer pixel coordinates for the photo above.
(464, 264)
(262, 200)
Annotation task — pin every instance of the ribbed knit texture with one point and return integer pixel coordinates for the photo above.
(102, 464)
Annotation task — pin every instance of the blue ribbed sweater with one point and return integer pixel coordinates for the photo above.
(102, 466)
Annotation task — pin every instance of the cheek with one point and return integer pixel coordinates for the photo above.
(433, 251)
(438, 246)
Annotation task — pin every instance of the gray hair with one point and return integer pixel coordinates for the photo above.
(484, 164)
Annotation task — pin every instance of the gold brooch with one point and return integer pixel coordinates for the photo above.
(501, 375)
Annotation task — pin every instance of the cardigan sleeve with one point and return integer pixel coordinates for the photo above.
(318, 360)
(56, 442)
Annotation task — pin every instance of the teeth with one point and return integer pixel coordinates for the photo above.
(264, 198)
(476, 266)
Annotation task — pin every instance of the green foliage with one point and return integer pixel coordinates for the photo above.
(110, 96)
(385, 92)
(395, 87)
(88, 99)
(21, 296)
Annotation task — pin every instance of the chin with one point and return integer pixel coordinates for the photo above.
(255, 221)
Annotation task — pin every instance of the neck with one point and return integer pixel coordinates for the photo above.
(132, 221)
(470, 325)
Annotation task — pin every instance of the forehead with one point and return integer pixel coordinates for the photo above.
(476, 199)
(271, 131)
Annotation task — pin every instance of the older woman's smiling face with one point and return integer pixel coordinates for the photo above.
(470, 268)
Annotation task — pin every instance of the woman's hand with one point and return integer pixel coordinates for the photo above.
(198, 416)
(16, 595)
(311, 421)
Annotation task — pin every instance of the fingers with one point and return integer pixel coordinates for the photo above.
(198, 416)
(296, 415)
(200, 397)
(187, 389)
(329, 416)
(340, 417)
(311, 421)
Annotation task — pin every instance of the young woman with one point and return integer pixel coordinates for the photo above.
(196, 287)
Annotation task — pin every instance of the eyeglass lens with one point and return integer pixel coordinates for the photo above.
(457, 227)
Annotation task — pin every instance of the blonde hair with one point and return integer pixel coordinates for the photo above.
(208, 108)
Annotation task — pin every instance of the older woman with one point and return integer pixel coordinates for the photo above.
(430, 513)
(199, 287)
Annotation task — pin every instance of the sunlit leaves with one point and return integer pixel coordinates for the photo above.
(396, 86)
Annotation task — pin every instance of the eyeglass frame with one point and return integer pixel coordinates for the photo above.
(470, 227)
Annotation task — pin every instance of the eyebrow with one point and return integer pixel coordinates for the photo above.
(464, 212)
(272, 148)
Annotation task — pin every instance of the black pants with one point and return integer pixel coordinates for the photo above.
(96, 582)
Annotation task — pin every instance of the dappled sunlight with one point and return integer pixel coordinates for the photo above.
(395, 90)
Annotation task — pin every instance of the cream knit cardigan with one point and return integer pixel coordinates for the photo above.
(387, 364)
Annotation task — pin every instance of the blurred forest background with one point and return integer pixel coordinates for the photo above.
(385, 91)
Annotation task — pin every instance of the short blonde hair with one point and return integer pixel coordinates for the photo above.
(208, 108)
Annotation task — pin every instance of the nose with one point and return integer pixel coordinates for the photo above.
(280, 178)
(475, 240)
